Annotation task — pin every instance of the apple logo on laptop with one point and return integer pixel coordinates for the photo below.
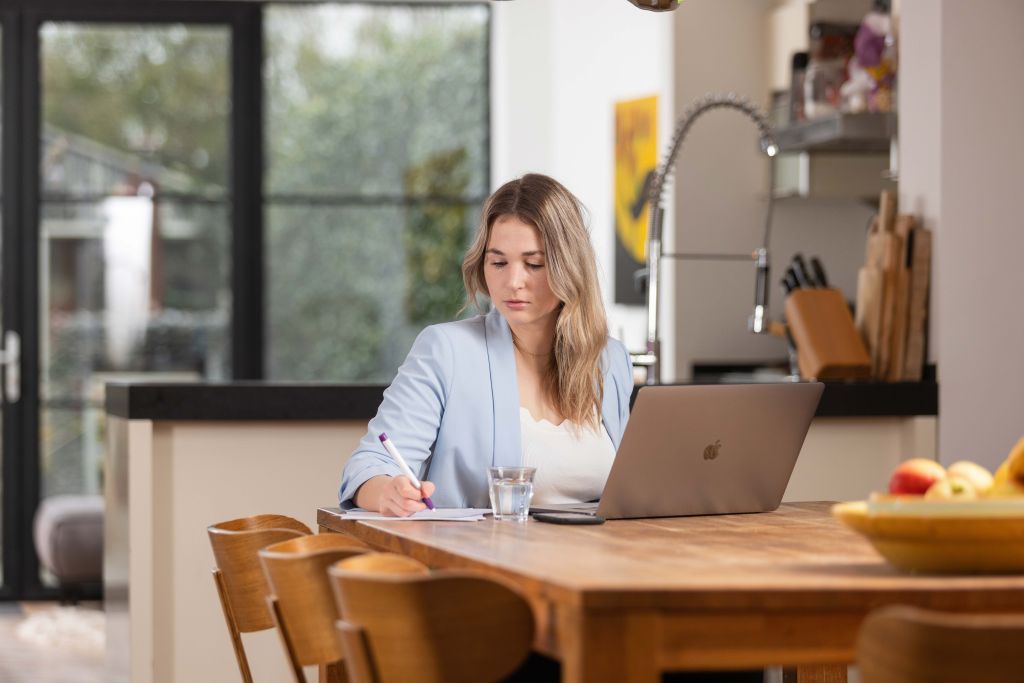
(711, 450)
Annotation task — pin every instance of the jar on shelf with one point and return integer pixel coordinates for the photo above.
(822, 82)
(798, 70)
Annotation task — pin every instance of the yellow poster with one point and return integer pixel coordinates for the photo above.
(636, 150)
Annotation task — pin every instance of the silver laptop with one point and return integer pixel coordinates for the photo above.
(706, 450)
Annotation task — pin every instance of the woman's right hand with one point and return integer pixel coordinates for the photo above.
(395, 496)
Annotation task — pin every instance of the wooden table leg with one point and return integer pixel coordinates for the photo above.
(600, 646)
(815, 673)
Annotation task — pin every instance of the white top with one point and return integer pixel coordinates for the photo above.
(572, 465)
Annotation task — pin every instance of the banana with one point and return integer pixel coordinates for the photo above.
(1008, 481)
(1015, 462)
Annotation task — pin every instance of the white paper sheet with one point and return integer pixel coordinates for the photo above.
(437, 515)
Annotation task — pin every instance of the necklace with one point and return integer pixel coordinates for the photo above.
(515, 343)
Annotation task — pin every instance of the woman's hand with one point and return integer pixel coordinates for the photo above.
(394, 496)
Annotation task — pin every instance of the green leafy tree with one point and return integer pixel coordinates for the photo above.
(435, 237)
(161, 95)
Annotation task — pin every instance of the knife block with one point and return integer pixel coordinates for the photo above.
(828, 345)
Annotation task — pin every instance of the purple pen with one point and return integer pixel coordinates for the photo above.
(393, 452)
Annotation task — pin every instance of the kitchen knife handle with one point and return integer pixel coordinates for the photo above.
(790, 282)
(799, 269)
(819, 272)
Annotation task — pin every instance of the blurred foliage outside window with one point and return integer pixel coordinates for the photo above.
(129, 112)
(377, 161)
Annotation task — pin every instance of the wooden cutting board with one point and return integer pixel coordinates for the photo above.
(870, 283)
(905, 225)
(917, 314)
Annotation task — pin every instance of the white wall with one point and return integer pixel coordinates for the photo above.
(962, 146)
(920, 125)
(522, 91)
(559, 67)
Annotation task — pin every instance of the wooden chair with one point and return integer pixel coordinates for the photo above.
(301, 601)
(383, 564)
(239, 577)
(401, 623)
(909, 645)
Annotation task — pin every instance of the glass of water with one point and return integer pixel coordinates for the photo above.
(511, 491)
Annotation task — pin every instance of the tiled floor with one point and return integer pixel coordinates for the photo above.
(47, 643)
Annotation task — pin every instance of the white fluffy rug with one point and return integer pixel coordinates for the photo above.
(79, 629)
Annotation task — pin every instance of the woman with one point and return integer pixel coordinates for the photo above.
(536, 381)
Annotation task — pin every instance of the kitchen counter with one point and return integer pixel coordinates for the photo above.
(243, 401)
(180, 457)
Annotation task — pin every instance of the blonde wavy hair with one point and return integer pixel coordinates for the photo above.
(574, 382)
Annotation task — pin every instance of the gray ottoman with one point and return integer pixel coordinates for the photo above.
(69, 538)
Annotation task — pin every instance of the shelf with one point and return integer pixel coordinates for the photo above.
(839, 133)
(832, 176)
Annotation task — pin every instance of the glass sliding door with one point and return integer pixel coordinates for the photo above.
(11, 483)
(134, 225)
(3, 352)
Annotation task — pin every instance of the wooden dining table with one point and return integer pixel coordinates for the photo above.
(629, 599)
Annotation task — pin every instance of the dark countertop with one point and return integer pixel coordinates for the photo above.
(295, 402)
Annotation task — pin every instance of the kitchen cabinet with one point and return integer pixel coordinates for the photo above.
(846, 458)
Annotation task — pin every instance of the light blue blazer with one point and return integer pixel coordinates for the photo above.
(453, 411)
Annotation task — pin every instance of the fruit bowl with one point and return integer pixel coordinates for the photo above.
(942, 537)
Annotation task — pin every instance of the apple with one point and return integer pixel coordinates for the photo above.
(915, 476)
(979, 477)
(951, 488)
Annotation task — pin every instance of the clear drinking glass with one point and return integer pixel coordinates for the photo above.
(511, 490)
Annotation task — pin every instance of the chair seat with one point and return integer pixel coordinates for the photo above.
(68, 534)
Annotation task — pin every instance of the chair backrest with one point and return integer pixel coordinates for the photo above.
(301, 595)
(910, 645)
(443, 627)
(235, 544)
(383, 564)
